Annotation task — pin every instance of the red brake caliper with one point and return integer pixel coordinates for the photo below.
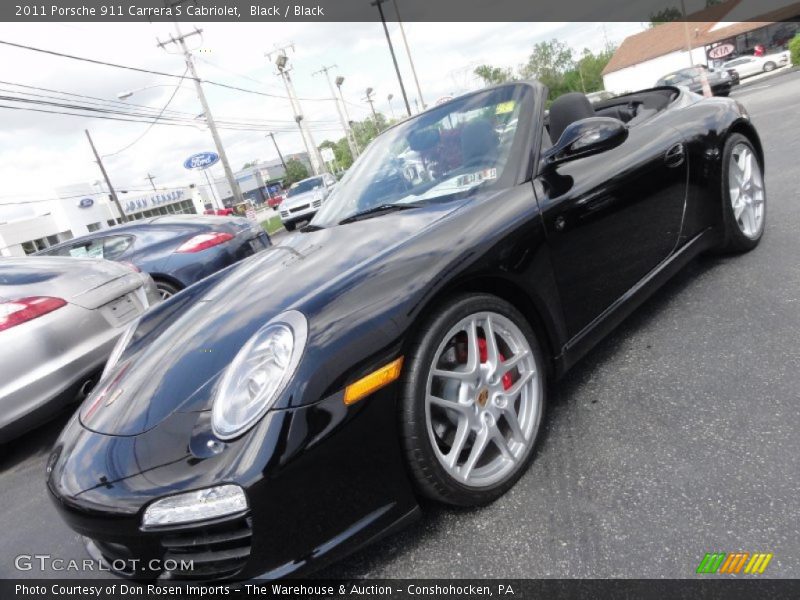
(483, 351)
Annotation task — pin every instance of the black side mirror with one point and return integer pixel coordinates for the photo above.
(586, 137)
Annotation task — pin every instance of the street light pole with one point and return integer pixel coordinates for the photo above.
(317, 164)
(391, 106)
(369, 93)
(408, 53)
(351, 132)
(150, 178)
(391, 50)
(180, 40)
(338, 108)
(111, 190)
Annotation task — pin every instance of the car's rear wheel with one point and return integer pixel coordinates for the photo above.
(769, 66)
(472, 401)
(166, 289)
(743, 194)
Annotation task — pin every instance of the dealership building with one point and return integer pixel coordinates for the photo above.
(258, 181)
(715, 35)
(80, 209)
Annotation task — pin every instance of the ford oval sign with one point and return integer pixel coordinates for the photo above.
(85, 202)
(203, 160)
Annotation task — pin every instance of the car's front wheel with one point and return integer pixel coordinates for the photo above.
(288, 226)
(472, 401)
(744, 195)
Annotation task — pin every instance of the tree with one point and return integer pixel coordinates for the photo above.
(366, 130)
(794, 49)
(549, 62)
(665, 15)
(587, 75)
(295, 171)
(249, 164)
(494, 75)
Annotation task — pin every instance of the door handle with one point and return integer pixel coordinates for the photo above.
(675, 156)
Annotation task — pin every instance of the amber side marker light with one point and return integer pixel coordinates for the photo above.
(373, 382)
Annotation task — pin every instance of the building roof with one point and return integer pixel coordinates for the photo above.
(703, 30)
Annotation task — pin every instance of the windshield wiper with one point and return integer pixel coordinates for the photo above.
(379, 210)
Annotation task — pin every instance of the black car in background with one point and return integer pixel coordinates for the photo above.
(720, 82)
(176, 250)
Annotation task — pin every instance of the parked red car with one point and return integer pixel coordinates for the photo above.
(222, 212)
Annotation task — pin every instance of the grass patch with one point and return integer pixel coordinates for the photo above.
(272, 224)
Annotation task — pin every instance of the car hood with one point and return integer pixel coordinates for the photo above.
(304, 198)
(178, 364)
(85, 282)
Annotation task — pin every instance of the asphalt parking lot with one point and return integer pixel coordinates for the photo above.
(677, 436)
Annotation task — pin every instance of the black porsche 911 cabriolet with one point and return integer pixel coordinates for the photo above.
(278, 415)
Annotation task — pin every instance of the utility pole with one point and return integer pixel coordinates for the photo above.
(368, 98)
(299, 120)
(278, 150)
(339, 108)
(317, 164)
(391, 50)
(339, 82)
(408, 53)
(180, 40)
(151, 177)
(105, 176)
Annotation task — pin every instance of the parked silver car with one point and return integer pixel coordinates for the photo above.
(304, 199)
(59, 320)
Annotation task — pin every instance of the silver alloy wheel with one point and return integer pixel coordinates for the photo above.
(746, 187)
(164, 293)
(483, 399)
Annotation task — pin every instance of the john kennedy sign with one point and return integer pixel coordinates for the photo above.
(135, 205)
(203, 160)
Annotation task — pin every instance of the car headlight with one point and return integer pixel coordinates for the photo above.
(119, 348)
(199, 505)
(258, 375)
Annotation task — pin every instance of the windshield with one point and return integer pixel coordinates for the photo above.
(449, 150)
(301, 187)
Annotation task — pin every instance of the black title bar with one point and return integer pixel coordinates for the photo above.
(410, 10)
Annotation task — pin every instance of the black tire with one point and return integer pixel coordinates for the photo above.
(769, 66)
(166, 289)
(429, 476)
(735, 241)
(290, 226)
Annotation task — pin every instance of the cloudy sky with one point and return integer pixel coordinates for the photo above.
(40, 152)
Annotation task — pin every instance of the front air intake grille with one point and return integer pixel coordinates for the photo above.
(208, 552)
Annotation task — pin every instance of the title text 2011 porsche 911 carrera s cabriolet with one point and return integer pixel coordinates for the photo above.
(276, 416)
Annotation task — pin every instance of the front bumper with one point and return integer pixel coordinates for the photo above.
(300, 213)
(321, 480)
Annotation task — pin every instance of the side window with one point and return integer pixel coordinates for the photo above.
(87, 249)
(115, 246)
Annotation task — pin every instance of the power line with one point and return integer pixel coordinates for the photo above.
(151, 71)
(109, 104)
(134, 117)
(155, 120)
